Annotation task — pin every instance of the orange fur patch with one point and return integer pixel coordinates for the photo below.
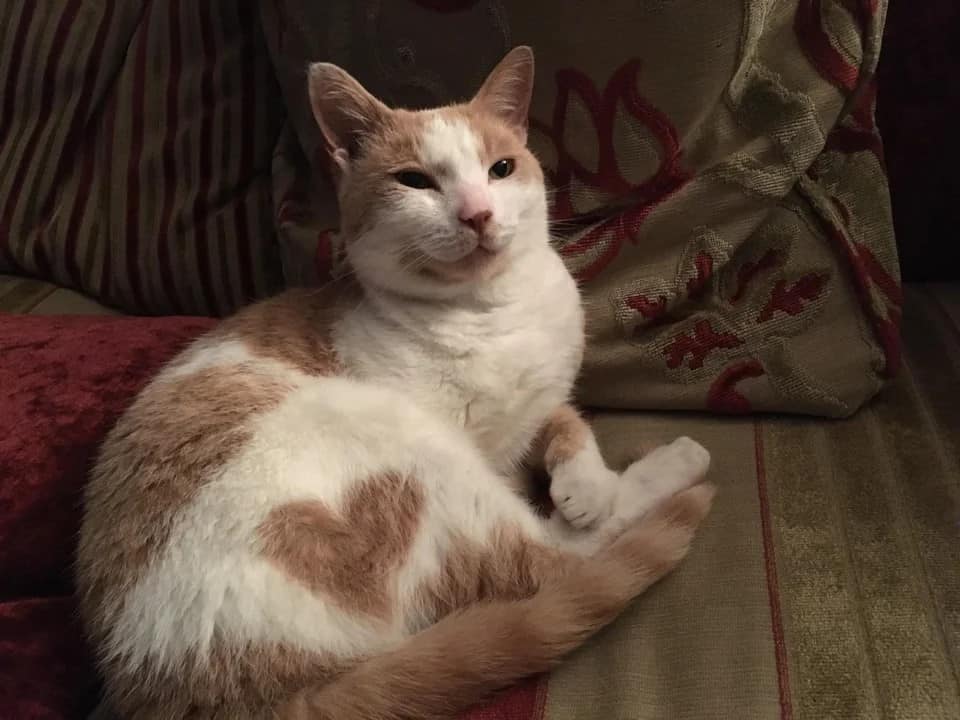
(163, 450)
(564, 435)
(349, 556)
(294, 327)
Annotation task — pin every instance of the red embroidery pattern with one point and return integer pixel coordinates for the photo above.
(652, 310)
(859, 132)
(620, 92)
(723, 396)
(700, 343)
(749, 270)
(696, 285)
(792, 300)
(818, 46)
(868, 271)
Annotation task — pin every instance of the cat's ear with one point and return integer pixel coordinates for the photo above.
(506, 91)
(343, 109)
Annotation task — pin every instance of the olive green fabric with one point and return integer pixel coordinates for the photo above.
(826, 584)
(36, 297)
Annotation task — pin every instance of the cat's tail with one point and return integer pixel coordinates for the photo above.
(471, 654)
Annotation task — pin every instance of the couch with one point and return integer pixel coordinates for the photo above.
(826, 584)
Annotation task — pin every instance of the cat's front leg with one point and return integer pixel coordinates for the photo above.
(582, 487)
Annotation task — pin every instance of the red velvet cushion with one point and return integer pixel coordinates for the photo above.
(63, 381)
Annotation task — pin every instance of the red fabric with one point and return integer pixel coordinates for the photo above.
(63, 382)
(45, 670)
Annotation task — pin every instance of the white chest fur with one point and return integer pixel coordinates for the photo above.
(496, 368)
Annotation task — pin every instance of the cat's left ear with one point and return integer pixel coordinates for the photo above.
(344, 110)
(507, 90)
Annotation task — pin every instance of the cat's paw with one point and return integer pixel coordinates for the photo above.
(683, 463)
(585, 499)
(660, 474)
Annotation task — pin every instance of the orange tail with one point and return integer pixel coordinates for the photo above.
(471, 654)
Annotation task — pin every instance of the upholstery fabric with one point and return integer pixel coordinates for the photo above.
(719, 185)
(135, 145)
(825, 586)
(36, 297)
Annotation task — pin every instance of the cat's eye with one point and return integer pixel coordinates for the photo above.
(415, 179)
(502, 168)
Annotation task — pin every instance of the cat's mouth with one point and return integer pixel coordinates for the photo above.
(481, 263)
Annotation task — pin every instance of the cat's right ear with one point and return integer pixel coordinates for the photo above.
(343, 109)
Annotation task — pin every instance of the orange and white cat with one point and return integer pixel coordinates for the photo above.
(312, 511)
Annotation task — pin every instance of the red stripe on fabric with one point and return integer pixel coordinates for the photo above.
(77, 214)
(80, 126)
(526, 701)
(773, 587)
(202, 244)
(169, 162)
(137, 130)
(79, 121)
(248, 113)
(543, 691)
(16, 53)
(225, 249)
(44, 115)
(106, 285)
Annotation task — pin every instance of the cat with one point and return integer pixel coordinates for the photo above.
(314, 512)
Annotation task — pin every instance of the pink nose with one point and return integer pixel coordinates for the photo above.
(476, 220)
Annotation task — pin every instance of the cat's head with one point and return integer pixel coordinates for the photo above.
(434, 202)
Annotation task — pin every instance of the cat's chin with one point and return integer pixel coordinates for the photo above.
(478, 265)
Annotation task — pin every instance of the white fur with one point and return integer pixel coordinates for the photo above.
(326, 435)
(429, 219)
(203, 355)
(448, 387)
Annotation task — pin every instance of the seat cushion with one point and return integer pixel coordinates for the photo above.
(824, 585)
(718, 181)
(37, 297)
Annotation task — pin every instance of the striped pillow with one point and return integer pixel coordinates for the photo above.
(135, 146)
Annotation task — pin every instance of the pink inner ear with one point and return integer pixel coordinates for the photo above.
(474, 201)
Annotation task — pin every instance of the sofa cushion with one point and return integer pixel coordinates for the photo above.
(824, 585)
(135, 144)
(37, 297)
(718, 179)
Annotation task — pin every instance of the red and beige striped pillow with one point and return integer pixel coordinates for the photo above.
(135, 148)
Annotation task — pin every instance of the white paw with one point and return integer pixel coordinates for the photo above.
(659, 475)
(684, 459)
(584, 500)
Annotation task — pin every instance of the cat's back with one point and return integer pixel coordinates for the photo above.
(189, 476)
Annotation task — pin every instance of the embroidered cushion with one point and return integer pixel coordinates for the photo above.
(718, 180)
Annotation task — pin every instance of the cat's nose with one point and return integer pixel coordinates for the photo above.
(477, 220)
